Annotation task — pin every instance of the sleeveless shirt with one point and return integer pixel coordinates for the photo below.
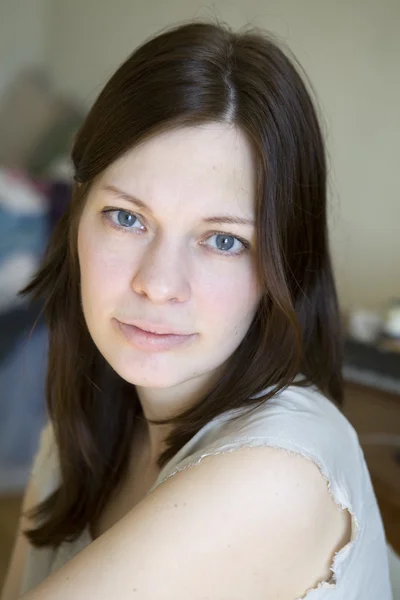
(298, 420)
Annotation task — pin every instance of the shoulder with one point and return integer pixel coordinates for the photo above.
(269, 507)
(296, 418)
(271, 471)
(295, 408)
(259, 521)
(260, 474)
(299, 420)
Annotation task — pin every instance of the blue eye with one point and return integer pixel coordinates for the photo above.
(226, 242)
(121, 218)
(125, 218)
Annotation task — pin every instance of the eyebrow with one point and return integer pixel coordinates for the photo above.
(226, 219)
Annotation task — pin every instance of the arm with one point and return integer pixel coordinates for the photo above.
(256, 523)
(18, 557)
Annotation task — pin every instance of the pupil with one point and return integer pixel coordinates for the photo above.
(125, 218)
(224, 242)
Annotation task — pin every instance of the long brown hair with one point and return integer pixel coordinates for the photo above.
(192, 74)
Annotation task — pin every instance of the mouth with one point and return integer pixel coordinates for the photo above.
(156, 328)
(149, 341)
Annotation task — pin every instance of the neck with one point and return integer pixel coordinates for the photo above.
(165, 403)
(152, 438)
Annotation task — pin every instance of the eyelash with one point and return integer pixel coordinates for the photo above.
(106, 212)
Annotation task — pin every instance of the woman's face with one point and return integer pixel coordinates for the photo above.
(154, 250)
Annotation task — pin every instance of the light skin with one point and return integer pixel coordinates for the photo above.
(166, 264)
(256, 523)
(217, 530)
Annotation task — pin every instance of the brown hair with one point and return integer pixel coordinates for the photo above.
(192, 74)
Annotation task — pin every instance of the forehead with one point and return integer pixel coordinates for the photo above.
(207, 164)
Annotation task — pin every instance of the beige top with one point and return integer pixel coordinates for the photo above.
(299, 420)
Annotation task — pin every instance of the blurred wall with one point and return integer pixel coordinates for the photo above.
(351, 52)
(23, 37)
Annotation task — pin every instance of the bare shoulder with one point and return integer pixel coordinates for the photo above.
(254, 523)
(271, 506)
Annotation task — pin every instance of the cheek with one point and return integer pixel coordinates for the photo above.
(104, 272)
(230, 299)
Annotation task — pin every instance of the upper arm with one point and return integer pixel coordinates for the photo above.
(256, 523)
(12, 584)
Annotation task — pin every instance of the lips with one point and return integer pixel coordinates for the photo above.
(156, 328)
(153, 332)
(152, 342)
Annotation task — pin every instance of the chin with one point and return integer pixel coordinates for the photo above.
(152, 376)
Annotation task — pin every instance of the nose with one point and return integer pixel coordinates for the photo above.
(161, 274)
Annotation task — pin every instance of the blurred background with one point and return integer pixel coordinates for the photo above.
(55, 57)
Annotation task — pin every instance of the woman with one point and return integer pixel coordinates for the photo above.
(195, 448)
